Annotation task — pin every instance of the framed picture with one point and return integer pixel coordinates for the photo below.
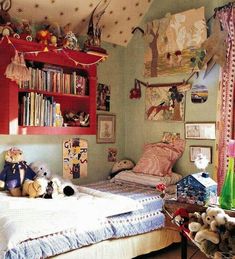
(106, 128)
(164, 103)
(195, 150)
(200, 130)
(169, 137)
(103, 97)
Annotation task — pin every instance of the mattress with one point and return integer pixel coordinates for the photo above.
(145, 219)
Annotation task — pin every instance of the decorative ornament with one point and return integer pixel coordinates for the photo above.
(135, 93)
(201, 162)
(17, 70)
(161, 187)
(70, 41)
(93, 42)
(215, 47)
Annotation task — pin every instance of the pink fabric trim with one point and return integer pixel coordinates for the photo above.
(225, 116)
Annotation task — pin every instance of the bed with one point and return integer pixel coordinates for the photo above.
(117, 218)
(133, 226)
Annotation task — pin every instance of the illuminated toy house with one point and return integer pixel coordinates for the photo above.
(196, 189)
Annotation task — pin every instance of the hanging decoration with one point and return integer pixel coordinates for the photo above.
(17, 70)
(215, 47)
(75, 158)
(164, 103)
(135, 93)
(172, 42)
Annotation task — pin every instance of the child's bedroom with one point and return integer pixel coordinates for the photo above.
(117, 129)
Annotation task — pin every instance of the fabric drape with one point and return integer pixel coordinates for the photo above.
(225, 118)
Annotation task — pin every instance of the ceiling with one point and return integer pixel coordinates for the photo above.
(117, 23)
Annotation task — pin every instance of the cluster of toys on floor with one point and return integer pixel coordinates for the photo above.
(34, 180)
(213, 231)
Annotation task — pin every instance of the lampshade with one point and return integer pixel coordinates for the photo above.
(231, 148)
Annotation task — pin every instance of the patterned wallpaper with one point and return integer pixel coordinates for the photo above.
(117, 23)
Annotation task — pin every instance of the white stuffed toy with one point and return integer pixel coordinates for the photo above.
(57, 186)
(121, 165)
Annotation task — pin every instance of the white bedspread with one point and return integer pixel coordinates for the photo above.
(24, 218)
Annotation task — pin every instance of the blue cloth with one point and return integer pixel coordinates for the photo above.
(10, 174)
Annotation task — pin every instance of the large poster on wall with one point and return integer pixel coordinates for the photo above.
(75, 158)
(173, 43)
(164, 103)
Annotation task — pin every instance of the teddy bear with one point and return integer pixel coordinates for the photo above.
(15, 172)
(57, 186)
(205, 233)
(34, 188)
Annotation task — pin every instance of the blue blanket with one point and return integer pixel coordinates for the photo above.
(144, 220)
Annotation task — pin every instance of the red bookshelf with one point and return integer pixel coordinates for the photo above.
(70, 61)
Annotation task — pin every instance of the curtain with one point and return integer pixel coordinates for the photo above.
(225, 117)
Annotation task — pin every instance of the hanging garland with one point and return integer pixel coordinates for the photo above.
(53, 50)
(17, 69)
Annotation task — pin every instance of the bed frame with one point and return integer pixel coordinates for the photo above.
(127, 247)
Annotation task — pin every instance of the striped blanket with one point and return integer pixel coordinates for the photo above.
(145, 219)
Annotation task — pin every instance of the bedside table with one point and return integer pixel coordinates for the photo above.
(171, 206)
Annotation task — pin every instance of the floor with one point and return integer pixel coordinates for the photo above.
(174, 252)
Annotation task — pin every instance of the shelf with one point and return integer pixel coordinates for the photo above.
(81, 97)
(68, 61)
(31, 130)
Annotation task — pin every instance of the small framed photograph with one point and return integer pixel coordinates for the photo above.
(103, 97)
(106, 128)
(170, 137)
(200, 130)
(205, 150)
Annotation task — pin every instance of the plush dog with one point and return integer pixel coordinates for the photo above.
(34, 188)
(57, 186)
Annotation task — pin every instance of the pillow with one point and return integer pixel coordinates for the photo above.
(145, 179)
(159, 158)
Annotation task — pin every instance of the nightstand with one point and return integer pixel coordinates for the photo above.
(171, 206)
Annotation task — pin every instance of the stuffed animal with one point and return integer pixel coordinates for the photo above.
(195, 224)
(56, 187)
(125, 164)
(41, 169)
(34, 188)
(181, 218)
(15, 172)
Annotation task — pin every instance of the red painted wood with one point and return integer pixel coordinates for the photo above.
(9, 90)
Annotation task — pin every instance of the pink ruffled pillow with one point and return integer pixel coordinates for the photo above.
(159, 158)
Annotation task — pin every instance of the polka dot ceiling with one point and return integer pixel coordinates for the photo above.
(117, 23)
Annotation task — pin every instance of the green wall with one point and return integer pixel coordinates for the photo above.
(138, 130)
(49, 148)
(119, 71)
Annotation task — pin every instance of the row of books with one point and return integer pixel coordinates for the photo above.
(39, 110)
(56, 81)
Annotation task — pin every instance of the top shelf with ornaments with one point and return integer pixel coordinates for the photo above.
(41, 52)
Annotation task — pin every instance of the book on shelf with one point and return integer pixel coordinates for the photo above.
(56, 81)
(38, 110)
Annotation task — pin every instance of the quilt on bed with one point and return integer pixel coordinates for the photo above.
(145, 219)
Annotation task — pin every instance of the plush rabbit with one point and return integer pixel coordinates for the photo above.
(4, 15)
